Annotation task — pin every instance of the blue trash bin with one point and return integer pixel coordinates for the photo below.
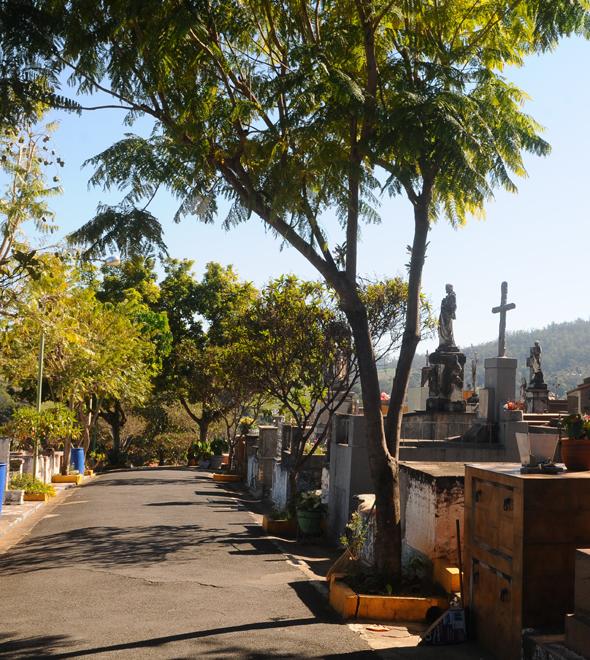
(77, 459)
(2, 483)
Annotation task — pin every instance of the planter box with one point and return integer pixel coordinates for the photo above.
(36, 497)
(351, 605)
(231, 478)
(14, 496)
(67, 479)
(285, 528)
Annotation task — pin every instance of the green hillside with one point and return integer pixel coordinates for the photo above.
(565, 360)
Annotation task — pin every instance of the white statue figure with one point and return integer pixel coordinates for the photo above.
(448, 307)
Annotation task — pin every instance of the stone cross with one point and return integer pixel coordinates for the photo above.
(502, 309)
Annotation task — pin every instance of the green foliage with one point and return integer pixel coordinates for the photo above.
(91, 348)
(310, 501)
(123, 229)
(206, 371)
(355, 535)
(219, 446)
(576, 426)
(27, 162)
(31, 485)
(50, 427)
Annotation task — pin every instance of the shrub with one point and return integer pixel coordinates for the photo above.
(218, 446)
(30, 485)
(310, 500)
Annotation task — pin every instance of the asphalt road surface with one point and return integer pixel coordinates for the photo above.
(160, 564)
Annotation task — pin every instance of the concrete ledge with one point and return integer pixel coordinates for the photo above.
(67, 479)
(226, 478)
(287, 528)
(351, 605)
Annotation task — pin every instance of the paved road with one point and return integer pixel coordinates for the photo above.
(160, 564)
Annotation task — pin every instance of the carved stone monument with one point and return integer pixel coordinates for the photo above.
(446, 364)
(537, 394)
(500, 371)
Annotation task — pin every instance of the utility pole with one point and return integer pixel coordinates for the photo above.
(39, 397)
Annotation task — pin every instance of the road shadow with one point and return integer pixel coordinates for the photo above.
(116, 547)
(105, 547)
(40, 646)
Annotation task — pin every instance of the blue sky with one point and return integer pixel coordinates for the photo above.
(537, 240)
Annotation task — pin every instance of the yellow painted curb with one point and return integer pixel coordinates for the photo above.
(227, 477)
(279, 527)
(88, 473)
(343, 599)
(381, 608)
(36, 497)
(67, 479)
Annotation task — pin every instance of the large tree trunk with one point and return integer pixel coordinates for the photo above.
(203, 429)
(383, 465)
(411, 336)
(65, 465)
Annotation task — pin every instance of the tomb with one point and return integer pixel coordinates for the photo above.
(521, 535)
(578, 399)
(431, 502)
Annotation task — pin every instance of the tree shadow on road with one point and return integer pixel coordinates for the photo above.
(116, 547)
(105, 547)
(40, 646)
(218, 640)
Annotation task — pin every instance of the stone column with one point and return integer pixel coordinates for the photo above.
(500, 383)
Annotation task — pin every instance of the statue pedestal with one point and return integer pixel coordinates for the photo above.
(536, 400)
(445, 391)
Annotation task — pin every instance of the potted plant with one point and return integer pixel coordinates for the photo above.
(218, 446)
(310, 510)
(35, 489)
(575, 447)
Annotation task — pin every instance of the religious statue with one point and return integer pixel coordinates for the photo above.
(534, 364)
(448, 307)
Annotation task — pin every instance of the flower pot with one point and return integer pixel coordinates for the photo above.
(310, 522)
(575, 454)
(36, 497)
(204, 463)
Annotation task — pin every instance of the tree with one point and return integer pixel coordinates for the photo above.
(204, 371)
(287, 109)
(25, 156)
(132, 288)
(51, 428)
(300, 352)
(94, 352)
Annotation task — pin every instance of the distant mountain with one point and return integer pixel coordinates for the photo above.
(565, 358)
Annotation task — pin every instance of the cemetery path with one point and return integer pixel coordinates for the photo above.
(160, 563)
